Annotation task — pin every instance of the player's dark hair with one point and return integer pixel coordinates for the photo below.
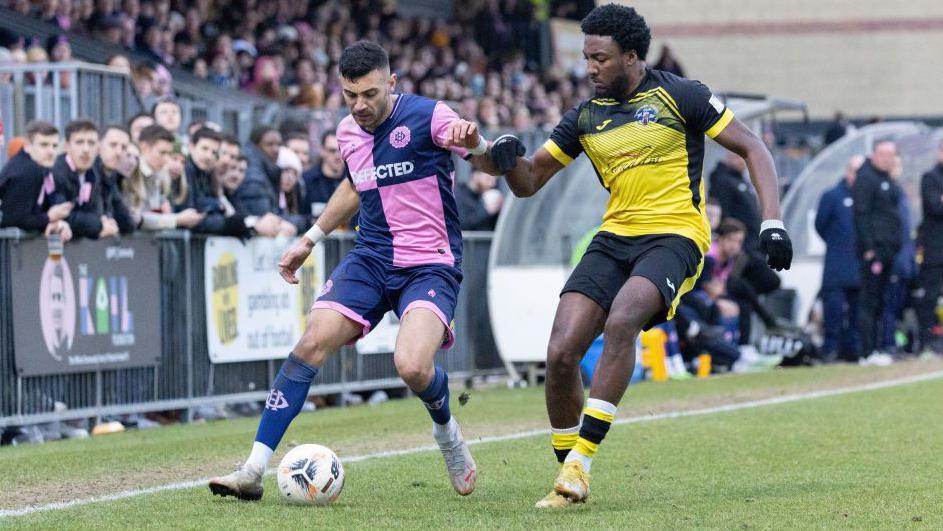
(205, 133)
(77, 126)
(137, 117)
(361, 58)
(39, 127)
(151, 134)
(730, 226)
(623, 24)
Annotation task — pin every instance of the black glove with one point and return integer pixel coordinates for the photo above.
(776, 245)
(505, 150)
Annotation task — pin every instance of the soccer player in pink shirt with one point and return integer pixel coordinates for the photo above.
(407, 258)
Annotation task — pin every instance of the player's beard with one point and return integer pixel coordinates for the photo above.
(617, 89)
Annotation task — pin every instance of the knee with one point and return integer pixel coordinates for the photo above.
(623, 325)
(563, 355)
(312, 349)
(416, 375)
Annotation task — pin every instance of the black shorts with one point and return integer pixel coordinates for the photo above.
(673, 263)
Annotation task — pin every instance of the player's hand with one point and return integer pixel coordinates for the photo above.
(463, 133)
(293, 258)
(776, 245)
(60, 211)
(505, 151)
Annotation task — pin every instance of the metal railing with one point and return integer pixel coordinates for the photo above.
(186, 378)
(60, 92)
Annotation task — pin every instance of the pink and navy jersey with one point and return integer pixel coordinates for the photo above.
(405, 177)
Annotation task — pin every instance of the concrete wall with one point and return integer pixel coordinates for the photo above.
(864, 57)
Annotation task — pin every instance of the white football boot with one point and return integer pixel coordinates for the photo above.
(458, 461)
(243, 484)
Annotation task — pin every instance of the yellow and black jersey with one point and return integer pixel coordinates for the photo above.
(648, 152)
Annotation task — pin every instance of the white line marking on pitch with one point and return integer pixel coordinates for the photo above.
(498, 438)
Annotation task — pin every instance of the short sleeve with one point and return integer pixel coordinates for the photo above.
(700, 108)
(443, 117)
(564, 142)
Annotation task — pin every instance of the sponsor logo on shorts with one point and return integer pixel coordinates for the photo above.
(431, 293)
(670, 285)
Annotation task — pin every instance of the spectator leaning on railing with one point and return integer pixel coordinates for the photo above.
(205, 194)
(29, 199)
(81, 182)
(147, 189)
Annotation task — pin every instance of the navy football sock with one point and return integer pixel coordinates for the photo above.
(285, 400)
(436, 397)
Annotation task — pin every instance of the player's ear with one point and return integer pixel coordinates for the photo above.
(631, 57)
(392, 82)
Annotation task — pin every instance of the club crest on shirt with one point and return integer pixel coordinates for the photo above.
(646, 114)
(399, 137)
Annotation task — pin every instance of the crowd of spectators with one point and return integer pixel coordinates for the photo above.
(149, 174)
(146, 175)
(487, 56)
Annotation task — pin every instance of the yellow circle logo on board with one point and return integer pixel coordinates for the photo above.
(226, 298)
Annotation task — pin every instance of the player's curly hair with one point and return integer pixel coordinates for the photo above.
(623, 24)
(361, 58)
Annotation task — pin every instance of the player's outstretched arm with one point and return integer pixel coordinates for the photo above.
(342, 205)
(774, 240)
(528, 175)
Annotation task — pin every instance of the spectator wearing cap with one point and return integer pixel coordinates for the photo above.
(290, 194)
(81, 182)
(29, 199)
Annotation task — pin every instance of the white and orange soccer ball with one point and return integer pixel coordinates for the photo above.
(310, 474)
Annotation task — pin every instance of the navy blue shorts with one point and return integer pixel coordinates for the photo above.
(363, 288)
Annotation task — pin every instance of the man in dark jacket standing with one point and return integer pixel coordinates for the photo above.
(736, 197)
(930, 239)
(878, 226)
(841, 277)
(80, 177)
(29, 199)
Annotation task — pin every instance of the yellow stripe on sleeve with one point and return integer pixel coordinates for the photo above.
(720, 124)
(557, 153)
